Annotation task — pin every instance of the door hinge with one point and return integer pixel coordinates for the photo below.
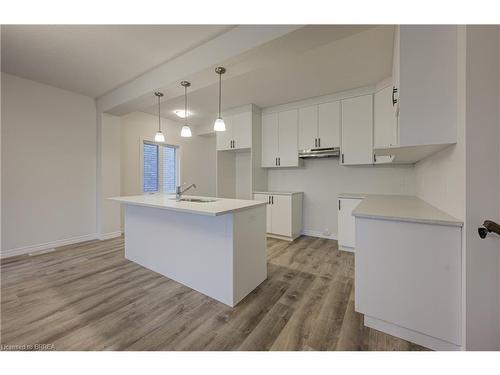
(394, 92)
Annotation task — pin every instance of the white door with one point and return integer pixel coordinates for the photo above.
(482, 174)
(384, 121)
(242, 130)
(269, 140)
(357, 130)
(224, 138)
(281, 208)
(329, 124)
(266, 198)
(288, 155)
(346, 223)
(308, 127)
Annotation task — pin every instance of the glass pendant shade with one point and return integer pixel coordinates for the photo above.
(159, 137)
(186, 131)
(219, 125)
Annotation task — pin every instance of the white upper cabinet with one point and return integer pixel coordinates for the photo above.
(357, 130)
(308, 127)
(238, 132)
(242, 130)
(270, 140)
(425, 75)
(224, 139)
(329, 125)
(319, 126)
(385, 124)
(288, 155)
(280, 139)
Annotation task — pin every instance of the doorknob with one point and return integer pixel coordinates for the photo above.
(488, 226)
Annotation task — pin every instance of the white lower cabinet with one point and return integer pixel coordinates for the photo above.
(283, 213)
(346, 223)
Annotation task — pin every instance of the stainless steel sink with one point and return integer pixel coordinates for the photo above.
(197, 200)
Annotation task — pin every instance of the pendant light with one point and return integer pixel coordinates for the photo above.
(219, 124)
(186, 130)
(159, 137)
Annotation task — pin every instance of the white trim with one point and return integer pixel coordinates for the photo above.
(313, 233)
(410, 335)
(346, 248)
(45, 246)
(107, 236)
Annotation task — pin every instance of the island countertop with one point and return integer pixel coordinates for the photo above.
(220, 206)
(402, 208)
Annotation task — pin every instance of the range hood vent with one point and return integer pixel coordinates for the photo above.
(319, 153)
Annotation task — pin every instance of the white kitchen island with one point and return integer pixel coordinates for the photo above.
(217, 248)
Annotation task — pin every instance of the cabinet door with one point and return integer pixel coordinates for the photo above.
(224, 138)
(269, 139)
(242, 130)
(308, 127)
(346, 223)
(281, 213)
(384, 120)
(265, 198)
(288, 139)
(357, 130)
(329, 124)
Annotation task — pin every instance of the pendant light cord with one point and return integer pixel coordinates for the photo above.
(185, 106)
(220, 89)
(159, 115)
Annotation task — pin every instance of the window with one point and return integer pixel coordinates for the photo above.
(159, 167)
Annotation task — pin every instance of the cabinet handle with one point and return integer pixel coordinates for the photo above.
(272, 199)
(279, 161)
(276, 161)
(339, 204)
(374, 158)
(319, 142)
(342, 158)
(315, 142)
(269, 198)
(394, 91)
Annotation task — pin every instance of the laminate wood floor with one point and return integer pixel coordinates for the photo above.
(89, 297)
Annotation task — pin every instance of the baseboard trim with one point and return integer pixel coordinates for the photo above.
(110, 235)
(46, 246)
(410, 335)
(347, 248)
(318, 234)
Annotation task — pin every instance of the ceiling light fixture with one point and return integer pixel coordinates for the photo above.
(186, 130)
(159, 137)
(181, 113)
(219, 124)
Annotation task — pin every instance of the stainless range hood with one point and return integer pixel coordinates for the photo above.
(319, 153)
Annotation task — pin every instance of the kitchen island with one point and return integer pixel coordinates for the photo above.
(215, 246)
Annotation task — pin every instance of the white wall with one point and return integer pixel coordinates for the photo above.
(48, 166)
(197, 154)
(440, 177)
(110, 223)
(322, 180)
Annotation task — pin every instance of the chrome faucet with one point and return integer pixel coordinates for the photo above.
(179, 191)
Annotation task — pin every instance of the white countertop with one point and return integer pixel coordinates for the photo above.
(402, 208)
(353, 195)
(273, 192)
(167, 202)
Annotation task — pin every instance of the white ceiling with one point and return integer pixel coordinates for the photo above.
(314, 61)
(94, 59)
